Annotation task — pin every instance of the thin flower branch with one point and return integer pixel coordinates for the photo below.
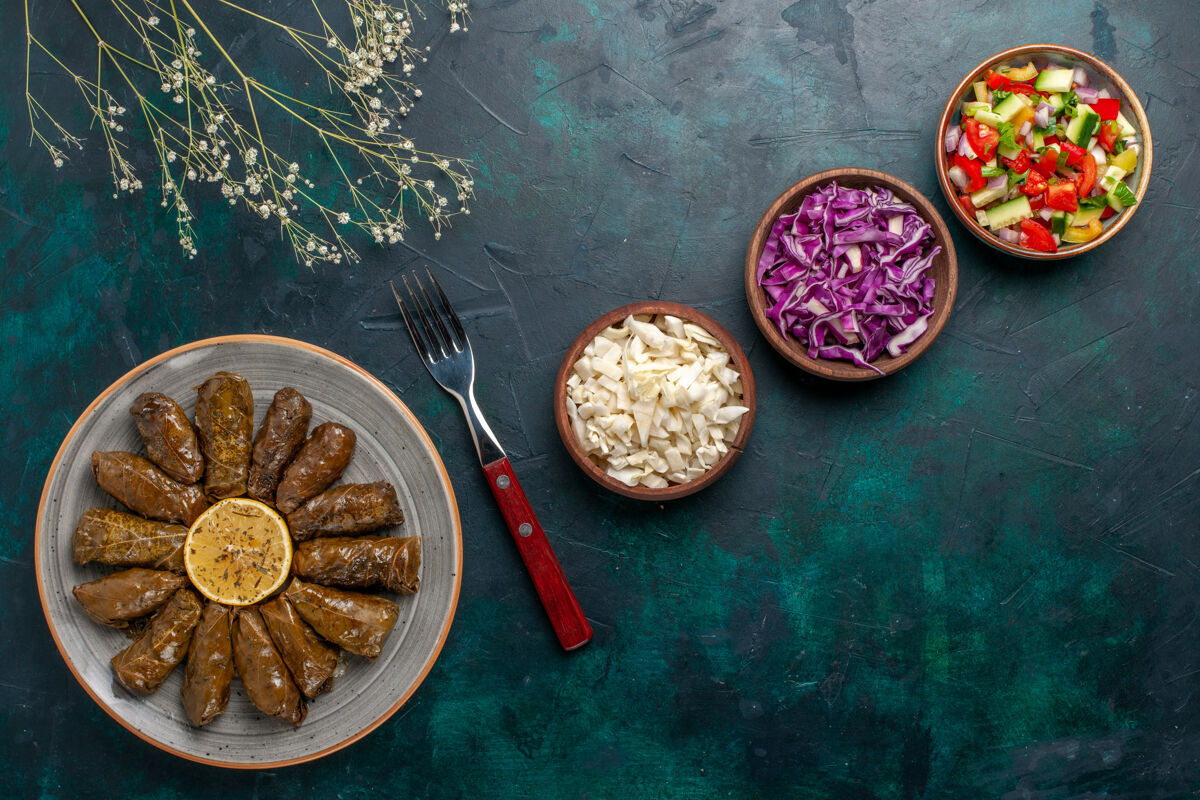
(200, 135)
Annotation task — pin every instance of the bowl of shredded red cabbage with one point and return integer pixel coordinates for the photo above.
(851, 274)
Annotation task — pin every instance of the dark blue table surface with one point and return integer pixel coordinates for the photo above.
(977, 578)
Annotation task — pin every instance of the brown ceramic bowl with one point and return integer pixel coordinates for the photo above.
(1101, 76)
(594, 470)
(944, 270)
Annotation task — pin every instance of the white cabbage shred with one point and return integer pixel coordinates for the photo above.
(655, 401)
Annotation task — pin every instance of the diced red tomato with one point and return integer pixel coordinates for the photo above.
(997, 81)
(1048, 162)
(1035, 183)
(1107, 212)
(1062, 196)
(1107, 136)
(974, 169)
(983, 138)
(1087, 175)
(1019, 164)
(1049, 140)
(1107, 108)
(1037, 203)
(964, 200)
(1074, 153)
(1035, 237)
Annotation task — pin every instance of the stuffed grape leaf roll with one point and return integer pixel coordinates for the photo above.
(145, 664)
(145, 489)
(353, 621)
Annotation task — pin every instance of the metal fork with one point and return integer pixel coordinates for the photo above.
(446, 353)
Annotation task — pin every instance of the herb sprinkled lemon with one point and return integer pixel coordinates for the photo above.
(238, 552)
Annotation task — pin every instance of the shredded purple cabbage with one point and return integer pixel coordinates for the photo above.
(840, 306)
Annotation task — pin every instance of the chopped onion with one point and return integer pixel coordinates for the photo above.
(1029, 138)
(1041, 114)
(1099, 156)
(1026, 129)
(883, 304)
(1086, 95)
(1081, 77)
(1105, 94)
(952, 135)
(1009, 235)
(1057, 238)
(958, 176)
(997, 182)
(964, 147)
(1045, 213)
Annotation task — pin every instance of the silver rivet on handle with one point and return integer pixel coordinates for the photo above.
(525, 529)
(503, 481)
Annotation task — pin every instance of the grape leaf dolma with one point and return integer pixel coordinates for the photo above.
(127, 540)
(318, 464)
(145, 664)
(356, 622)
(122, 597)
(225, 424)
(264, 675)
(209, 669)
(281, 435)
(361, 562)
(347, 511)
(145, 489)
(170, 439)
(311, 661)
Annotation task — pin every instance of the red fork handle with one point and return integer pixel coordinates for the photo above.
(566, 616)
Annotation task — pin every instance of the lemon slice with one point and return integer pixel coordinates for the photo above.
(238, 552)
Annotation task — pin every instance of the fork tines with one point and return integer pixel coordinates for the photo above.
(432, 338)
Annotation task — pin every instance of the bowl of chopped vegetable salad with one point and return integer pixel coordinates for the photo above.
(1044, 152)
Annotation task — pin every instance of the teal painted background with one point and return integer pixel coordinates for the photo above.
(977, 578)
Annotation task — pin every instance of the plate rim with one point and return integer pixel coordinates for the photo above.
(400, 406)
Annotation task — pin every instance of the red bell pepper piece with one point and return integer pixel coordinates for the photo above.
(1035, 183)
(964, 200)
(1107, 212)
(1048, 162)
(1087, 176)
(997, 81)
(974, 170)
(1062, 196)
(1074, 153)
(1019, 164)
(1037, 203)
(983, 138)
(1035, 237)
(1107, 136)
(1107, 108)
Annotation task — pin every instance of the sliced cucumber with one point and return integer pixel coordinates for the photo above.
(988, 195)
(1112, 176)
(1123, 127)
(1008, 152)
(1081, 127)
(1008, 213)
(1055, 80)
(988, 118)
(1084, 216)
(1056, 102)
(1008, 108)
(1121, 197)
(1058, 222)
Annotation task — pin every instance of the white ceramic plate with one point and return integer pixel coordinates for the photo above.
(392, 446)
